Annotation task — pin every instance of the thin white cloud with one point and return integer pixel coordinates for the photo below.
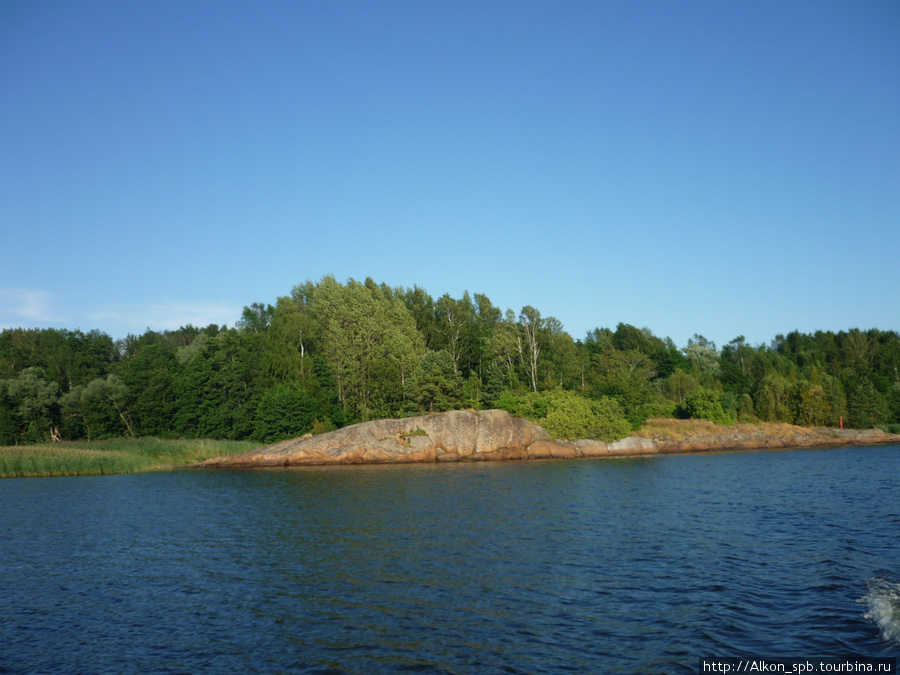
(25, 307)
(166, 316)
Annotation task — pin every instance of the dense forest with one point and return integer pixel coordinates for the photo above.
(332, 354)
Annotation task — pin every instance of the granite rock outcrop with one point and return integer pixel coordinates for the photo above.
(453, 436)
(469, 435)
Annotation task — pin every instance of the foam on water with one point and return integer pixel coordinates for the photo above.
(883, 604)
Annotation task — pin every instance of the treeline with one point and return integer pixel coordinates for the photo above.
(332, 354)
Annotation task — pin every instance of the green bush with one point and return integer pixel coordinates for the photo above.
(609, 425)
(531, 405)
(565, 414)
(661, 408)
(704, 404)
(569, 415)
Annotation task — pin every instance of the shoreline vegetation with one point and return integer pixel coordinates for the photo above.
(657, 436)
(496, 435)
(333, 355)
(676, 436)
(112, 456)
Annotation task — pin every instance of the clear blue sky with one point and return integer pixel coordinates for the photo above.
(722, 168)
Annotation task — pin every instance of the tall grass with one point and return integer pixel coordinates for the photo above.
(681, 429)
(119, 455)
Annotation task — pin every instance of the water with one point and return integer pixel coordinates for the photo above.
(612, 566)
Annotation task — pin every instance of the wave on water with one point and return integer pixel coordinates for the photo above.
(883, 604)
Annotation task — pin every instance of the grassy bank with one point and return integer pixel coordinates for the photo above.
(680, 429)
(119, 455)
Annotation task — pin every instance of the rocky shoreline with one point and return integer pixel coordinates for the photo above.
(489, 435)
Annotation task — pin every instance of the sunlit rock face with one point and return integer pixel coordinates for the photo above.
(469, 435)
(451, 436)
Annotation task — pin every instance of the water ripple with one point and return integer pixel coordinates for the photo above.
(620, 567)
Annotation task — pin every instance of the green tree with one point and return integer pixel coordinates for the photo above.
(678, 385)
(33, 406)
(287, 343)
(183, 336)
(186, 353)
(532, 332)
(629, 338)
(657, 408)
(68, 358)
(566, 414)
(703, 355)
(284, 412)
(624, 376)
(773, 401)
(435, 385)
(149, 374)
(255, 318)
(98, 408)
(370, 342)
(866, 406)
(487, 321)
(506, 347)
(496, 381)
(219, 390)
(454, 321)
(668, 358)
(598, 341)
(734, 366)
(562, 363)
(859, 349)
(813, 406)
(746, 412)
(421, 306)
(473, 392)
(9, 431)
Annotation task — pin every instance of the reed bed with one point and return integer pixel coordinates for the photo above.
(119, 455)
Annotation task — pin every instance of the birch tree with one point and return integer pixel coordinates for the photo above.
(532, 326)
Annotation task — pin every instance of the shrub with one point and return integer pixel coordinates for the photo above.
(572, 416)
(704, 404)
(322, 426)
(661, 409)
(565, 414)
(531, 405)
(610, 424)
(568, 415)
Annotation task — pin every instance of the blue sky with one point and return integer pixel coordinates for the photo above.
(722, 168)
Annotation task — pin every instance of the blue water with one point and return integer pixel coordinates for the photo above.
(603, 566)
